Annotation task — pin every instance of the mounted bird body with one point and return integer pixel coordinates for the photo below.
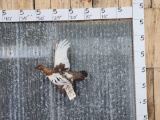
(61, 75)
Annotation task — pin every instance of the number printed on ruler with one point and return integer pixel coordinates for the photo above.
(124, 12)
(107, 13)
(140, 75)
(6, 17)
(141, 106)
(72, 15)
(27, 15)
(59, 14)
(43, 15)
(92, 13)
(76, 14)
(39, 15)
(142, 117)
(139, 43)
(10, 15)
(139, 58)
(104, 14)
(141, 87)
(138, 8)
(55, 15)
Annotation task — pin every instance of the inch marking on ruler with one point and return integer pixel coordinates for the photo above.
(139, 60)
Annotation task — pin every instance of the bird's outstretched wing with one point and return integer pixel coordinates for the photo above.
(61, 54)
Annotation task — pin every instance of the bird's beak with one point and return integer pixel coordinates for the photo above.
(36, 67)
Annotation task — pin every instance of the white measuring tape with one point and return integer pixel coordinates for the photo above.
(139, 60)
(136, 13)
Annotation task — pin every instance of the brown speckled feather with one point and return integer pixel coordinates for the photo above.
(78, 75)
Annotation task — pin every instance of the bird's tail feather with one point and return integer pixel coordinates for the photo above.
(84, 73)
(81, 75)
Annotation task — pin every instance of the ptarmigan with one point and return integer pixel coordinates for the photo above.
(61, 75)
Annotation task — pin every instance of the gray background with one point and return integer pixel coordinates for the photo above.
(104, 49)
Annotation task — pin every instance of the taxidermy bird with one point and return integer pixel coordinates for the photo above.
(61, 75)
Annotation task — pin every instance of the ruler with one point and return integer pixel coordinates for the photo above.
(139, 60)
(65, 14)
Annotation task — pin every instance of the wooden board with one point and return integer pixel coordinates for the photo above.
(157, 58)
(150, 93)
(124, 3)
(22, 4)
(147, 3)
(157, 93)
(156, 35)
(152, 32)
(156, 3)
(42, 4)
(6, 4)
(105, 3)
(58, 4)
(81, 3)
(1, 6)
(149, 31)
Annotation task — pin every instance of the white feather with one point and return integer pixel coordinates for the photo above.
(61, 81)
(61, 54)
(69, 76)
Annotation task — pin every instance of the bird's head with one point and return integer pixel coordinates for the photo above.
(40, 67)
(44, 69)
